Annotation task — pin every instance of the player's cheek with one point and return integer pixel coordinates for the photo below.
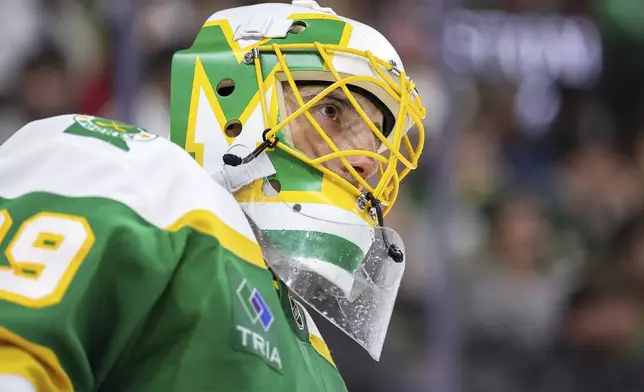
(332, 130)
(358, 136)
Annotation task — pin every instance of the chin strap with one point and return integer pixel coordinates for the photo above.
(392, 249)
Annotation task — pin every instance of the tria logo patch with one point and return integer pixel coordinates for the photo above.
(254, 305)
(256, 328)
(261, 345)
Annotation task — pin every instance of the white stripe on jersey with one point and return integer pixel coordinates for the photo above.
(15, 383)
(156, 179)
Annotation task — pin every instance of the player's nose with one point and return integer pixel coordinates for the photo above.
(363, 165)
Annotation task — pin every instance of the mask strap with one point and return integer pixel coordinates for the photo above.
(392, 249)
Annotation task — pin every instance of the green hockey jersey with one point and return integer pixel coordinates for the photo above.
(125, 267)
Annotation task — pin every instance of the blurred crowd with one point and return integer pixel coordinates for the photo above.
(545, 223)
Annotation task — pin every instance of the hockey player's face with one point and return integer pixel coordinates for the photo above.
(341, 122)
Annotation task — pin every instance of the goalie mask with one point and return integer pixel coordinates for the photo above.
(255, 79)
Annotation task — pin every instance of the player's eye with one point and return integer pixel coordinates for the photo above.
(330, 111)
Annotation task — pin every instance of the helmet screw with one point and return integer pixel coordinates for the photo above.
(373, 214)
(361, 202)
(394, 67)
(249, 58)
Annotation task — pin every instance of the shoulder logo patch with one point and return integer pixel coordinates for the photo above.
(254, 305)
(297, 314)
(256, 327)
(114, 132)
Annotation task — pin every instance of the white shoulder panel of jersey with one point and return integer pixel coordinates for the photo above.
(151, 175)
(16, 383)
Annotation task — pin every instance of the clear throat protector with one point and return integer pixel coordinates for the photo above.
(327, 256)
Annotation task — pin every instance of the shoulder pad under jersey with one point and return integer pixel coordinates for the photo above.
(86, 156)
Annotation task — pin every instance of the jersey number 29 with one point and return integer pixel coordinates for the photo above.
(43, 256)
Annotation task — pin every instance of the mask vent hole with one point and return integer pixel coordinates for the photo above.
(297, 27)
(233, 128)
(225, 87)
(272, 187)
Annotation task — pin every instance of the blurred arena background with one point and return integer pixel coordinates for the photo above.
(524, 226)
